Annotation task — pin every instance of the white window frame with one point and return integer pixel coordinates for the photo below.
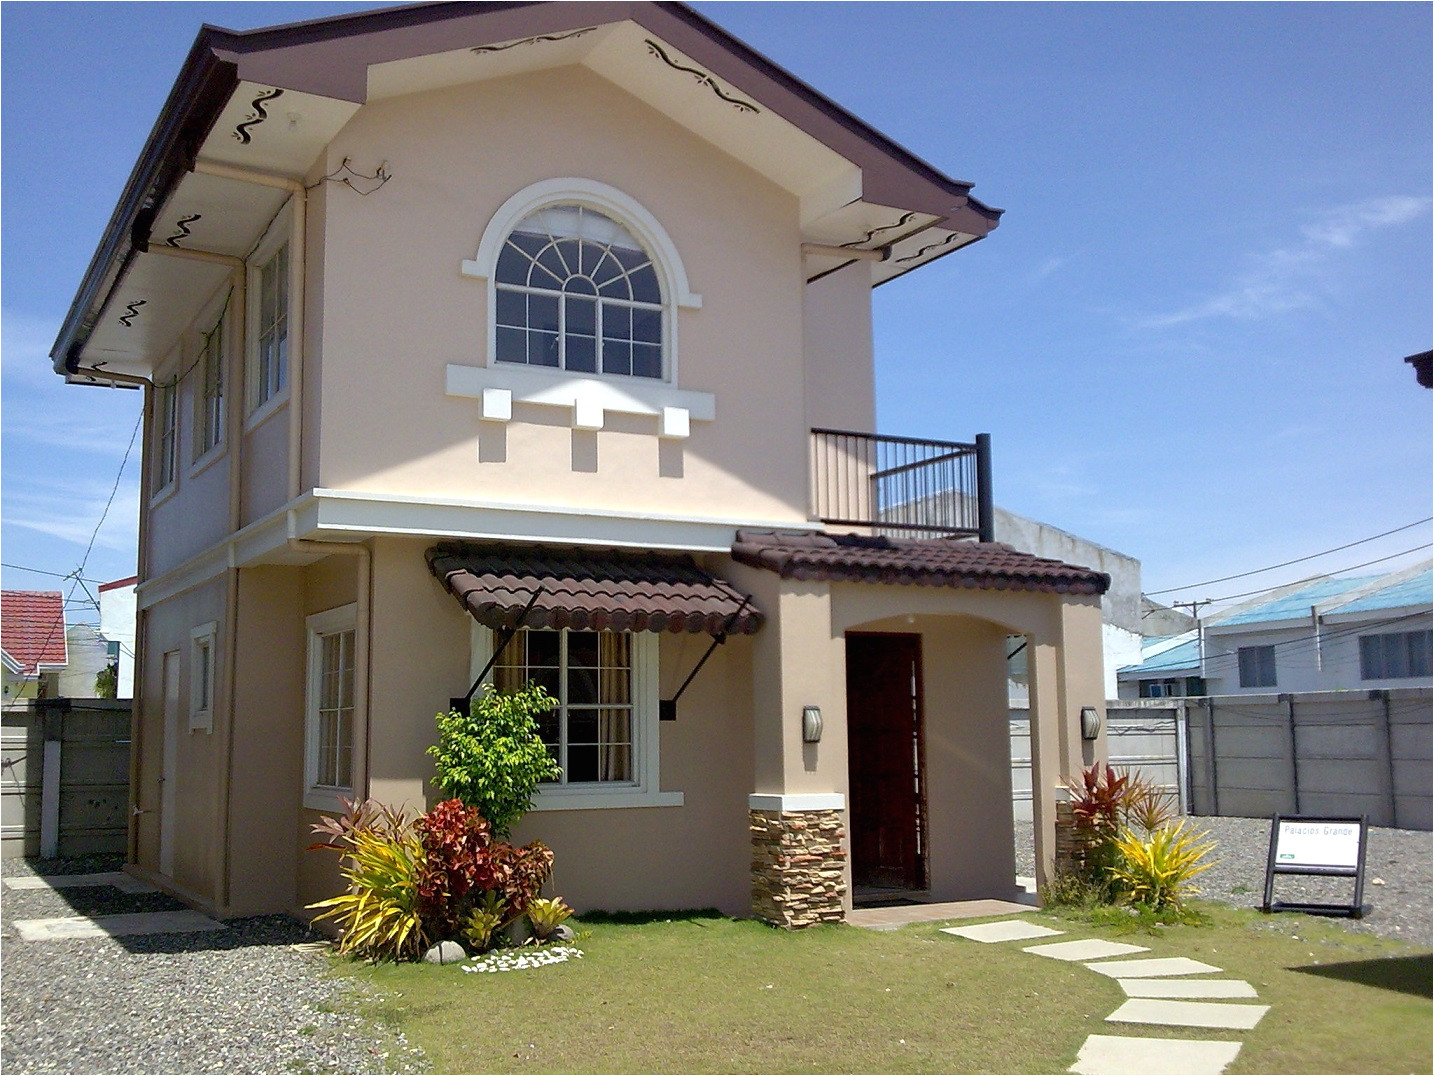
(219, 334)
(611, 202)
(317, 627)
(202, 668)
(262, 400)
(164, 478)
(646, 788)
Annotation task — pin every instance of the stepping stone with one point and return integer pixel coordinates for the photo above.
(1118, 1055)
(1187, 988)
(125, 883)
(75, 926)
(1146, 969)
(1006, 930)
(1188, 1014)
(1084, 949)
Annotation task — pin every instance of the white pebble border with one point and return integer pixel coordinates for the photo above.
(518, 961)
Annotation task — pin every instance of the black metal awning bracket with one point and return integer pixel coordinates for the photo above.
(667, 708)
(461, 704)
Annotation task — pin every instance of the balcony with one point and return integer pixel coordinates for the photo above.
(902, 487)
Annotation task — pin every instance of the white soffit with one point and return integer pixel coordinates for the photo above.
(137, 329)
(267, 129)
(665, 79)
(223, 216)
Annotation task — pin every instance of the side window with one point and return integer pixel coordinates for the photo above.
(201, 678)
(1257, 666)
(330, 707)
(209, 418)
(166, 435)
(1395, 655)
(576, 291)
(271, 357)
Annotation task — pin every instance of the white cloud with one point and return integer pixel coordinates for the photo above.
(25, 350)
(1291, 278)
(70, 509)
(1045, 269)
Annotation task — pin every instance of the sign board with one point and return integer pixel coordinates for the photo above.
(1327, 847)
(1331, 845)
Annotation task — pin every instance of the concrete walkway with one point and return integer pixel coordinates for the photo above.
(1158, 995)
(67, 927)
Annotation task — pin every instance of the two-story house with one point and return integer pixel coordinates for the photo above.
(454, 319)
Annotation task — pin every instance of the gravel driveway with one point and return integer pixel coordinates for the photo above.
(237, 1001)
(1397, 879)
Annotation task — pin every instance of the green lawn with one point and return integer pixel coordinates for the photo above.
(708, 994)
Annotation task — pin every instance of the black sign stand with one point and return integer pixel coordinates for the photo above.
(1354, 910)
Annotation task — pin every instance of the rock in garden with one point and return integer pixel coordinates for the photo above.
(563, 933)
(445, 952)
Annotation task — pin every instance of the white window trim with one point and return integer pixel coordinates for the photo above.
(161, 493)
(621, 208)
(646, 790)
(217, 309)
(277, 235)
(330, 622)
(202, 661)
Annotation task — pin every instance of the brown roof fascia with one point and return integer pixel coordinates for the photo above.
(194, 103)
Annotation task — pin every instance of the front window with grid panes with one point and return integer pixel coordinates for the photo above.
(591, 731)
(575, 291)
(335, 749)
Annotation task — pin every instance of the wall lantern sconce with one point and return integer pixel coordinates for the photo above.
(1089, 723)
(811, 724)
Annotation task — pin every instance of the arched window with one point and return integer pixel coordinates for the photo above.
(575, 290)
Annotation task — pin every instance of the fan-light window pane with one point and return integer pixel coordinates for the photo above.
(554, 257)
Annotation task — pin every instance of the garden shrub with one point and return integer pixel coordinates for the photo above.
(1155, 870)
(380, 915)
(492, 758)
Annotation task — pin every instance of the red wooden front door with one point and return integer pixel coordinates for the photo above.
(883, 678)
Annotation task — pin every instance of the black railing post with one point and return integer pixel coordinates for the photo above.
(985, 501)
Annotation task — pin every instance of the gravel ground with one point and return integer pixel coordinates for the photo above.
(240, 1001)
(1397, 876)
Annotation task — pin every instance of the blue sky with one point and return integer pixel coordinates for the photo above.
(1185, 337)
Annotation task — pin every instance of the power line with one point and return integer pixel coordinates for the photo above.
(42, 571)
(1297, 560)
(1312, 578)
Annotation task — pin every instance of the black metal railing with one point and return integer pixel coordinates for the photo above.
(902, 487)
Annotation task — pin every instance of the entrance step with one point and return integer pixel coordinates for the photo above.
(1188, 1014)
(1084, 949)
(1147, 969)
(1118, 1055)
(1187, 988)
(1005, 930)
(70, 927)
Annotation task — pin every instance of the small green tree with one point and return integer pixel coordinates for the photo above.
(493, 758)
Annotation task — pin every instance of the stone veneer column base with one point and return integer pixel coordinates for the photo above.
(798, 867)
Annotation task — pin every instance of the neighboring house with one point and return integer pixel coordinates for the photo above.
(33, 645)
(88, 656)
(118, 616)
(458, 318)
(1318, 635)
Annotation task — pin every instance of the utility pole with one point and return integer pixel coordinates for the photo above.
(1199, 636)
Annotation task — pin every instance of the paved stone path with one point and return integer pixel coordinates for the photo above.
(1156, 996)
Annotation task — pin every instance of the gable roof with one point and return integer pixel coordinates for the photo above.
(1162, 659)
(857, 188)
(32, 630)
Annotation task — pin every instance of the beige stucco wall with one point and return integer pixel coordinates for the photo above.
(837, 346)
(200, 755)
(397, 311)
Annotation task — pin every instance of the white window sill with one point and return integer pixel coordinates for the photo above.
(266, 410)
(206, 461)
(327, 799)
(586, 800)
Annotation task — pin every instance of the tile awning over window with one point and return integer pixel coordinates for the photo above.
(854, 558)
(589, 590)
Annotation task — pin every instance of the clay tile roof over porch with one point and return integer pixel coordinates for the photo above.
(589, 590)
(938, 562)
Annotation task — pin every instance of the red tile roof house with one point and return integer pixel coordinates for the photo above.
(32, 643)
(458, 318)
